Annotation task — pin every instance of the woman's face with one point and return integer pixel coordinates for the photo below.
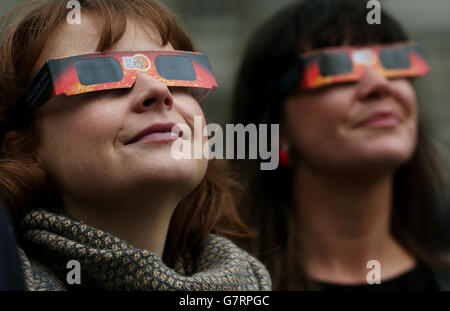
(370, 124)
(84, 137)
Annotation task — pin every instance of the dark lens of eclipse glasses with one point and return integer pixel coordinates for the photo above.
(172, 67)
(335, 64)
(99, 70)
(395, 58)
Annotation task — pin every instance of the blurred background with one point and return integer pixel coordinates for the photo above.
(221, 28)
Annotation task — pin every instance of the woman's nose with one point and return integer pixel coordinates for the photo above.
(149, 93)
(372, 85)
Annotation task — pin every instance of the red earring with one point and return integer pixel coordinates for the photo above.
(283, 155)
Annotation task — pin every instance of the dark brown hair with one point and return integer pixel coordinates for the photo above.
(210, 208)
(259, 97)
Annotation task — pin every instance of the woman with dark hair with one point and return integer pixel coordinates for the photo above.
(87, 167)
(359, 179)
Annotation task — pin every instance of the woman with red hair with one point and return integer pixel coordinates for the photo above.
(88, 172)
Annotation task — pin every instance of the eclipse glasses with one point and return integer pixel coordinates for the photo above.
(336, 65)
(114, 70)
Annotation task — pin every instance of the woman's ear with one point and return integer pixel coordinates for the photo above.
(13, 144)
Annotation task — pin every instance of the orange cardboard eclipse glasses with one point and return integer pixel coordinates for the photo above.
(347, 64)
(114, 70)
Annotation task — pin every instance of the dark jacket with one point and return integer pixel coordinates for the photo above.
(11, 276)
(442, 278)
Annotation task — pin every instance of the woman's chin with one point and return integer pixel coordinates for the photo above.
(381, 161)
(390, 151)
(181, 172)
(366, 161)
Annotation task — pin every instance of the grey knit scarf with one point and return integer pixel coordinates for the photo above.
(53, 239)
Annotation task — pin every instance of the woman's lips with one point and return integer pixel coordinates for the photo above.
(159, 137)
(378, 120)
(157, 132)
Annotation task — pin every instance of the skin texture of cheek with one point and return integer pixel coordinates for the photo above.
(315, 121)
(68, 137)
(191, 111)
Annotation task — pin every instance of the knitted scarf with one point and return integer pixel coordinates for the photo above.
(51, 240)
